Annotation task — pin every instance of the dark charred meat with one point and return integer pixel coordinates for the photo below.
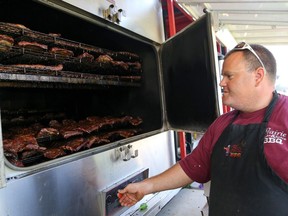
(17, 25)
(86, 57)
(96, 140)
(104, 59)
(134, 65)
(125, 133)
(54, 34)
(4, 68)
(6, 42)
(40, 67)
(70, 131)
(136, 121)
(88, 126)
(21, 143)
(28, 154)
(62, 52)
(54, 153)
(75, 145)
(121, 64)
(33, 45)
(48, 132)
(69, 122)
(25, 145)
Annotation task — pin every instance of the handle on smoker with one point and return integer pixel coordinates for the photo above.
(127, 152)
(134, 154)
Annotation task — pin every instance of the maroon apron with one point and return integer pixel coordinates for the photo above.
(242, 183)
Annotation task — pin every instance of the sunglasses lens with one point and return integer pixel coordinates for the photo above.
(240, 45)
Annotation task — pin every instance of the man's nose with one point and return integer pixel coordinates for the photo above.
(222, 82)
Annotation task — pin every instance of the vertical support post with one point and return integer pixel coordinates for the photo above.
(171, 18)
(172, 31)
(182, 143)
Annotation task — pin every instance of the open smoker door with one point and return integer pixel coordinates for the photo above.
(190, 77)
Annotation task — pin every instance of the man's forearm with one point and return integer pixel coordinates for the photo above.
(172, 178)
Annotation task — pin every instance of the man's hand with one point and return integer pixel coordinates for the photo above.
(131, 194)
(172, 178)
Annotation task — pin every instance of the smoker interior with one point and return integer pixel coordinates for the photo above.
(79, 101)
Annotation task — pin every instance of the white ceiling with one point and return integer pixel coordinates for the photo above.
(253, 21)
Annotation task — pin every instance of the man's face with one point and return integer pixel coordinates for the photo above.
(237, 83)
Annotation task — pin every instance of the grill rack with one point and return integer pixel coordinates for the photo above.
(19, 77)
(50, 39)
(75, 71)
(20, 55)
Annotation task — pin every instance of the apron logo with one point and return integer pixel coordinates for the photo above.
(275, 136)
(233, 151)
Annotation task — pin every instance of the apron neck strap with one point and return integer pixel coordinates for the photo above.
(270, 107)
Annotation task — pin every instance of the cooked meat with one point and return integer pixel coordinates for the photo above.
(136, 121)
(69, 122)
(104, 59)
(111, 121)
(124, 133)
(55, 34)
(86, 57)
(88, 126)
(6, 42)
(96, 140)
(21, 143)
(17, 25)
(121, 64)
(70, 131)
(69, 128)
(9, 69)
(40, 67)
(108, 59)
(62, 51)
(75, 145)
(33, 45)
(134, 65)
(47, 132)
(28, 154)
(54, 153)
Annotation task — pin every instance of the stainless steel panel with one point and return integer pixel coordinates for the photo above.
(76, 188)
(142, 17)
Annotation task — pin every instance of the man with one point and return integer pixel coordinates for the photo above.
(244, 152)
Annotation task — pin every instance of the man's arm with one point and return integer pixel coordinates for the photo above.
(172, 178)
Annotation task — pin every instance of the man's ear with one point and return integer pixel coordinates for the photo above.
(259, 75)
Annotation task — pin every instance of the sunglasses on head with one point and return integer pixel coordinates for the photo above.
(245, 46)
